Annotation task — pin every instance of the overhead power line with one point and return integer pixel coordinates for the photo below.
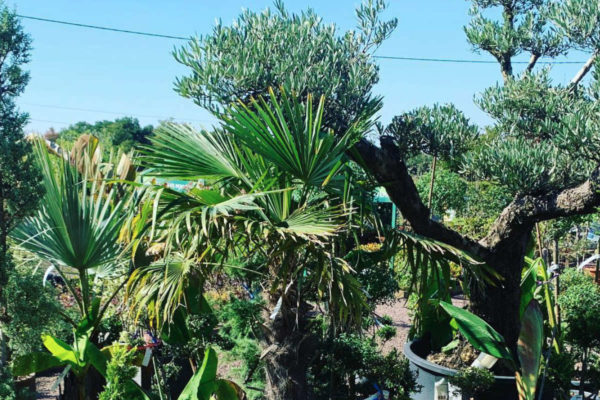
(104, 28)
(455, 60)
(160, 117)
(399, 58)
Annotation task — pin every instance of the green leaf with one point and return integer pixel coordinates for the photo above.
(529, 348)
(203, 384)
(62, 351)
(86, 325)
(528, 286)
(35, 362)
(228, 390)
(478, 332)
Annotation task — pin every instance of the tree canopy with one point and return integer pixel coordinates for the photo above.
(122, 133)
(19, 177)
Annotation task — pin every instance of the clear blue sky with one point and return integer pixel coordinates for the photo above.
(117, 74)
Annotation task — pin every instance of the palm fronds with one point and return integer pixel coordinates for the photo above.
(291, 136)
(76, 228)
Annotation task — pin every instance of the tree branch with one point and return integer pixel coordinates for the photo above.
(386, 164)
(584, 70)
(534, 58)
(527, 210)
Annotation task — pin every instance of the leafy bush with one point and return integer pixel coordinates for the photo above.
(118, 371)
(559, 373)
(386, 332)
(580, 306)
(347, 356)
(241, 318)
(473, 382)
(386, 320)
(571, 277)
(7, 386)
(33, 310)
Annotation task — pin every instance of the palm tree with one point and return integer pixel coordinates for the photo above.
(277, 195)
(76, 231)
(282, 194)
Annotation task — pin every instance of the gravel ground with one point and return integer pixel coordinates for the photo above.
(401, 317)
(44, 383)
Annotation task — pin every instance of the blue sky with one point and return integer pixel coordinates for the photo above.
(76, 70)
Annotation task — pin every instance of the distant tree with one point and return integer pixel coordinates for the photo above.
(19, 178)
(123, 133)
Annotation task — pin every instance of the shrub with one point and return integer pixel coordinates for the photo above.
(559, 373)
(7, 387)
(33, 310)
(571, 277)
(386, 332)
(386, 320)
(580, 308)
(473, 382)
(118, 371)
(348, 356)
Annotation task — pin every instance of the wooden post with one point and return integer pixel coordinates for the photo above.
(597, 274)
(556, 285)
(431, 182)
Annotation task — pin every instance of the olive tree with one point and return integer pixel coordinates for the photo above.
(544, 151)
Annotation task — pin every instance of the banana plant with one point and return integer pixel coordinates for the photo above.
(527, 360)
(535, 284)
(77, 359)
(204, 384)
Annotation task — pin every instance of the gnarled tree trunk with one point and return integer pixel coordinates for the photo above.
(288, 351)
(499, 304)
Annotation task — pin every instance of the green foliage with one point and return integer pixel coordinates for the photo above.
(548, 138)
(578, 21)
(273, 48)
(80, 357)
(559, 373)
(241, 318)
(580, 309)
(440, 131)
(473, 382)
(19, 180)
(7, 386)
(204, 384)
(478, 332)
(119, 371)
(347, 356)
(386, 320)
(264, 200)
(33, 310)
(450, 191)
(387, 332)
(77, 227)
(122, 133)
(378, 280)
(571, 277)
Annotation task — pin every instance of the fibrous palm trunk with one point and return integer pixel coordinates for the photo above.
(288, 351)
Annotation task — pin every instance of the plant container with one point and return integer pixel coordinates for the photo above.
(504, 387)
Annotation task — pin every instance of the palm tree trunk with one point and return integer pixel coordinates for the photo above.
(289, 351)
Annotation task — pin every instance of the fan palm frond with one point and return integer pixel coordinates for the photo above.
(291, 136)
(179, 151)
(78, 223)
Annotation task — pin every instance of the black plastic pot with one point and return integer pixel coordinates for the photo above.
(429, 373)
